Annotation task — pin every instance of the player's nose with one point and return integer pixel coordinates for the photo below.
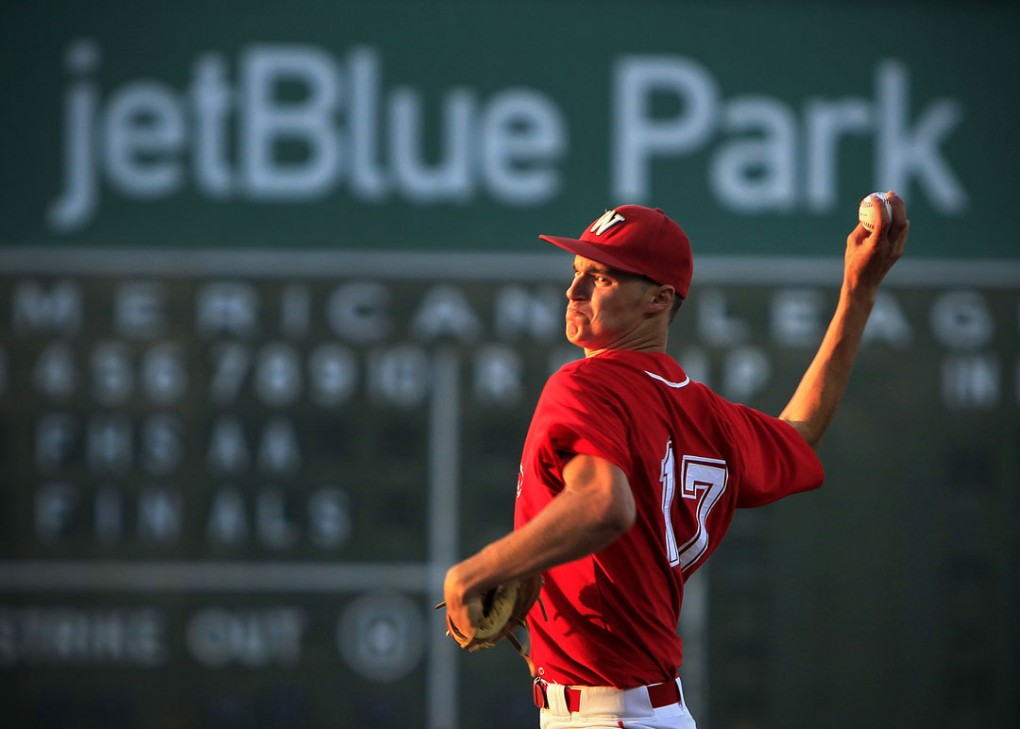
(578, 288)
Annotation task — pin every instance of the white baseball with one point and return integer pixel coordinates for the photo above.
(869, 212)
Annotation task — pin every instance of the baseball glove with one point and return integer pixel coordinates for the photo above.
(497, 614)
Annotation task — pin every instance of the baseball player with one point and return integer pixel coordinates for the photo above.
(631, 471)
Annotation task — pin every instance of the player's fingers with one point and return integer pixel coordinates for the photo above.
(899, 211)
(899, 225)
(899, 208)
(458, 622)
(858, 236)
(883, 222)
(459, 628)
(874, 219)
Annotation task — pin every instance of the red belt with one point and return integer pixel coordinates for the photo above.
(659, 695)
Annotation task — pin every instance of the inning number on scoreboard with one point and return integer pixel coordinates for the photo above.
(702, 480)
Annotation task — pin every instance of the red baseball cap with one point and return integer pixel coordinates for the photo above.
(639, 240)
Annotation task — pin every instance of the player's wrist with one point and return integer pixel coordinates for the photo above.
(858, 294)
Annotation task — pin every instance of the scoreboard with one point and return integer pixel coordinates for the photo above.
(232, 481)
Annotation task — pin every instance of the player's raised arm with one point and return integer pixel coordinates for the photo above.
(870, 254)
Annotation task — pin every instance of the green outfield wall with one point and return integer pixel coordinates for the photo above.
(274, 316)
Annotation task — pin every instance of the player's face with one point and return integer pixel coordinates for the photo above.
(606, 308)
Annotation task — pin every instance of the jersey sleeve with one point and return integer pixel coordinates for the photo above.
(581, 416)
(775, 460)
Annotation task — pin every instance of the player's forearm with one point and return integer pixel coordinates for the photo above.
(814, 403)
(594, 509)
(571, 527)
(870, 253)
(565, 530)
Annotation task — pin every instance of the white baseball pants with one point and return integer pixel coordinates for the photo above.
(602, 707)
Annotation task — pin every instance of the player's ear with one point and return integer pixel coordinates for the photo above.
(662, 299)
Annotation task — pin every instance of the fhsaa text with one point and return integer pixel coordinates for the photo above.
(134, 492)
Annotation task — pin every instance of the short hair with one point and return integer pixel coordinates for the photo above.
(678, 301)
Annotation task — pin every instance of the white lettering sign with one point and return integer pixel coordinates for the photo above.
(245, 139)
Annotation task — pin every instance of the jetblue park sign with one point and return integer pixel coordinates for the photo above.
(250, 139)
(363, 139)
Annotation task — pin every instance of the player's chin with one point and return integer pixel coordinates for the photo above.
(579, 336)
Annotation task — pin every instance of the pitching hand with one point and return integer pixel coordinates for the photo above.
(870, 255)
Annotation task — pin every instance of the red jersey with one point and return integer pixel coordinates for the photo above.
(691, 458)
